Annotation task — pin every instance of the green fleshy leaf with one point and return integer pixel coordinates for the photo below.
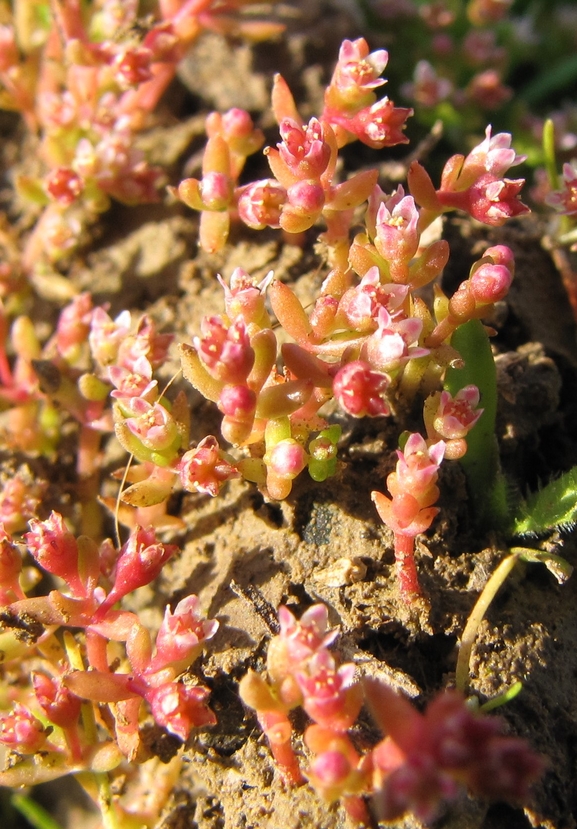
(486, 482)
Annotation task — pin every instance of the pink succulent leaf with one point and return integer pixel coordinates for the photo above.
(73, 324)
(206, 469)
(179, 708)
(360, 390)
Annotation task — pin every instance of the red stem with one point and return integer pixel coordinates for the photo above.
(406, 567)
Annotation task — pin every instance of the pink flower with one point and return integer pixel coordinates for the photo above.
(361, 305)
(106, 335)
(457, 415)
(63, 185)
(152, 424)
(304, 149)
(180, 708)
(245, 297)
(307, 635)
(565, 199)
(391, 345)
(56, 551)
(60, 705)
(21, 731)
(260, 204)
(147, 342)
(360, 390)
(136, 383)
(330, 695)
(357, 71)
(225, 350)
(494, 155)
(205, 469)
(418, 465)
(380, 125)
(397, 235)
(181, 636)
(427, 89)
(493, 201)
(140, 561)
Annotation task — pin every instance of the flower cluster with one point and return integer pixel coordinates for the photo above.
(119, 666)
(89, 96)
(425, 759)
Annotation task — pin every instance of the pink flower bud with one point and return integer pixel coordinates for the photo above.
(55, 549)
(180, 708)
(490, 283)
(205, 469)
(306, 197)
(287, 458)
(60, 705)
(181, 636)
(140, 561)
(360, 390)
(237, 402)
(21, 731)
(216, 190)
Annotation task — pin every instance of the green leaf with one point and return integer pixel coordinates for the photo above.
(553, 506)
(486, 483)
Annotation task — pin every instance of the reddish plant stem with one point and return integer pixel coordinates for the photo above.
(406, 567)
(278, 730)
(357, 810)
